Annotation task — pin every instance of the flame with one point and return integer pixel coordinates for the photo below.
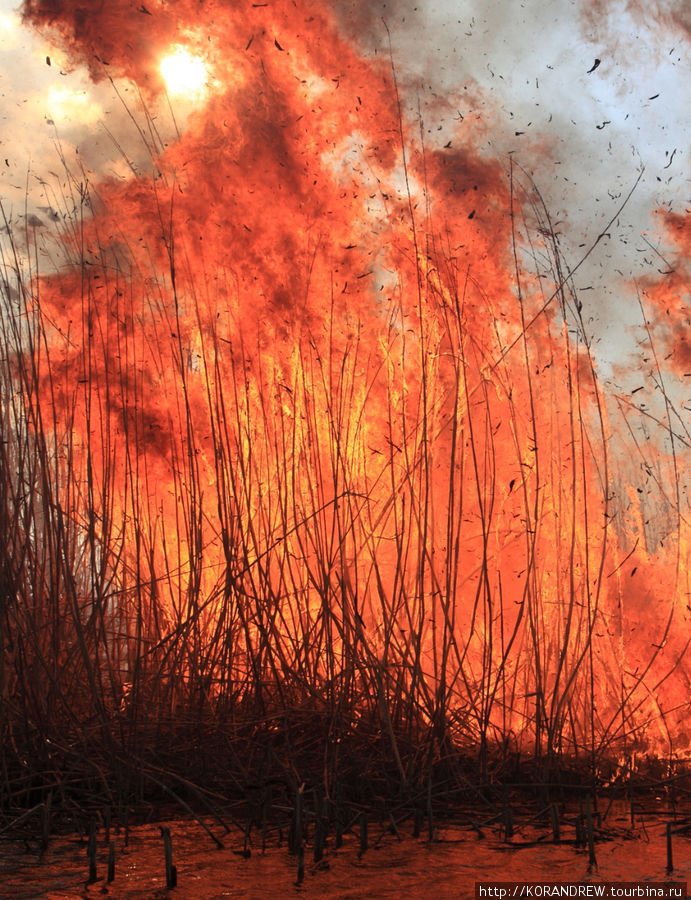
(313, 413)
(183, 73)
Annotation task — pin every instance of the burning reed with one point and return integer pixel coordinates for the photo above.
(323, 493)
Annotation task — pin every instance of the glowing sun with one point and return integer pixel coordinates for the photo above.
(183, 73)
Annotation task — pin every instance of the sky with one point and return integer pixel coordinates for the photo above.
(585, 96)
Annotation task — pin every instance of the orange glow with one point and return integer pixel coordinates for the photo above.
(326, 434)
(183, 73)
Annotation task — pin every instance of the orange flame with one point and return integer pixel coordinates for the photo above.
(323, 418)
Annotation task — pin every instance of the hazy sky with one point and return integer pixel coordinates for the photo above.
(527, 70)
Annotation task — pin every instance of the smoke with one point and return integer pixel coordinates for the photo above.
(583, 96)
(117, 35)
(665, 19)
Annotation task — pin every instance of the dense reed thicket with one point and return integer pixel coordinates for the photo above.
(364, 546)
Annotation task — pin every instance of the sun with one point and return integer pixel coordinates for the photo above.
(183, 73)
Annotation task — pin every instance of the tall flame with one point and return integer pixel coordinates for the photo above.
(325, 419)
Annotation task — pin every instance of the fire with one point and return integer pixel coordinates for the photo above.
(183, 73)
(324, 437)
